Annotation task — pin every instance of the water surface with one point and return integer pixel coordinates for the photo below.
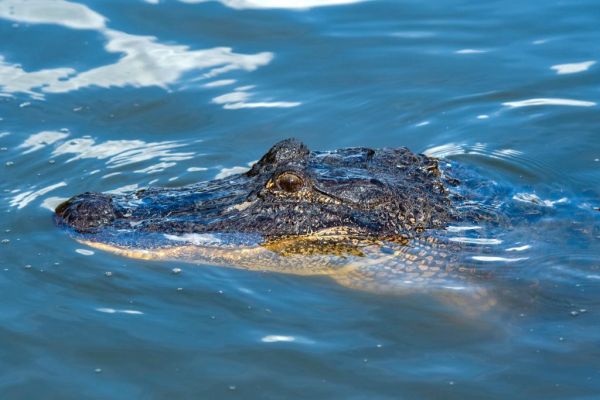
(115, 96)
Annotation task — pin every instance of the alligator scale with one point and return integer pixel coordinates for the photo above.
(375, 219)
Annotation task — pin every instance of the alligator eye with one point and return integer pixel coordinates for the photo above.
(289, 182)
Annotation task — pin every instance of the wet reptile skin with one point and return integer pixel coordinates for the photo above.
(372, 219)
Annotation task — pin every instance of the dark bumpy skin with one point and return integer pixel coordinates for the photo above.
(383, 193)
(385, 221)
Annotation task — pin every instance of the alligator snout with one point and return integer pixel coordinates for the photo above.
(86, 212)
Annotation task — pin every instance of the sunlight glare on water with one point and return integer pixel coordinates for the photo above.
(113, 96)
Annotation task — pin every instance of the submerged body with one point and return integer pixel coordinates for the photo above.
(375, 219)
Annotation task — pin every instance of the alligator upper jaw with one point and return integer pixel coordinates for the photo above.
(385, 192)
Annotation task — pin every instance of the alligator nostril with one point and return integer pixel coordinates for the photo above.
(86, 212)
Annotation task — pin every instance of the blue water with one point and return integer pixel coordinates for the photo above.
(113, 95)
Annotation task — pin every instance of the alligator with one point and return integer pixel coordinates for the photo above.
(374, 219)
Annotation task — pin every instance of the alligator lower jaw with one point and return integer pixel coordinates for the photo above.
(235, 257)
(337, 241)
(321, 253)
(275, 257)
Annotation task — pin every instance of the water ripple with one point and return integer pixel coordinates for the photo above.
(573, 68)
(23, 199)
(548, 102)
(287, 4)
(469, 240)
(144, 61)
(120, 152)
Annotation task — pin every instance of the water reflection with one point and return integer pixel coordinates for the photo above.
(366, 75)
(145, 61)
(519, 248)
(149, 63)
(454, 149)
(115, 153)
(42, 139)
(222, 82)
(50, 203)
(548, 102)
(470, 51)
(14, 79)
(58, 12)
(535, 199)
(23, 199)
(225, 172)
(498, 259)
(118, 153)
(239, 99)
(108, 310)
(288, 4)
(572, 68)
(469, 240)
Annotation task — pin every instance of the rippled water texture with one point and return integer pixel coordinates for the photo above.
(114, 96)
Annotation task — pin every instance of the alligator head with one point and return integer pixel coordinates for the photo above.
(290, 193)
